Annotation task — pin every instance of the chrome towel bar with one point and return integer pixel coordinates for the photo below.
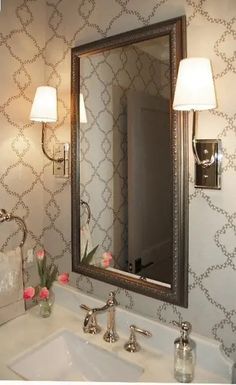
(83, 203)
(7, 217)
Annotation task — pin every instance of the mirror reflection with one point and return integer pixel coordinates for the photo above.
(126, 162)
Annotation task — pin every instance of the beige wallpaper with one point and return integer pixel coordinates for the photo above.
(35, 41)
(22, 55)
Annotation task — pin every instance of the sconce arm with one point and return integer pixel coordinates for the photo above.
(206, 162)
(59, 160)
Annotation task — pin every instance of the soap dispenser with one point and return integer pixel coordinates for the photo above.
(184, 359)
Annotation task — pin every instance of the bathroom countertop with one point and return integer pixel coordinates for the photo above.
(22, 333)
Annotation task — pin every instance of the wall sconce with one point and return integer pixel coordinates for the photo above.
(195, 92)
(44, 110)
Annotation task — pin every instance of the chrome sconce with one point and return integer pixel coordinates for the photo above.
(195, 92)
(44, 110)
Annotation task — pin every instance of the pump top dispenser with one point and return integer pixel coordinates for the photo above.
(184, 359)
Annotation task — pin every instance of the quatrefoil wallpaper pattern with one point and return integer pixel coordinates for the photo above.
(35, 41)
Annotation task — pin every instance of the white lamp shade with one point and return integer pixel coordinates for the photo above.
(44, 107)
(82, 111)
(195, 87)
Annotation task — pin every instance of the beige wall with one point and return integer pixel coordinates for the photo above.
(22, 55)
(26, 183)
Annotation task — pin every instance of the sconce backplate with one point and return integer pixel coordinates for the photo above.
(208, 177)
(61, 169)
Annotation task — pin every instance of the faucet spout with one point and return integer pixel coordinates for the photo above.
(111, 334)
(90, 325)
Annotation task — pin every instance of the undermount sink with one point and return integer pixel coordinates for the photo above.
(66, 356)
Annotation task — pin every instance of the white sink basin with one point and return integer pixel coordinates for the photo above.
(66, 356)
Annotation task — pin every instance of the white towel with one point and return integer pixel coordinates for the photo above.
(11, 284)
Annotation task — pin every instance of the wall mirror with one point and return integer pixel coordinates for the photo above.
(130, 162)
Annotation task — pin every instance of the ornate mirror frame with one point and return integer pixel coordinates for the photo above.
(178, 293)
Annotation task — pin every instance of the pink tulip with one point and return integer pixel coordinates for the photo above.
(44, 293)
(105, 263)
(107, 256)
(40, 254)
(63, 278)
(29, 293)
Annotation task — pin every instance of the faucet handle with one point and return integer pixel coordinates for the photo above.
(132, 345)
(92, 326)
(112, 301)
(85, 307)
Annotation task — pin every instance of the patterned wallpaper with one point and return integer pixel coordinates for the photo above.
(22, 52)
(35, 41)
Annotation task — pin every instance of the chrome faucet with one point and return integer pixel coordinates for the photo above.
(110, 335)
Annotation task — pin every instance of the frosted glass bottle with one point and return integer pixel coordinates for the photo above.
(184, 360)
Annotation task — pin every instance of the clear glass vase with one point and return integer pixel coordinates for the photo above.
(46, 305)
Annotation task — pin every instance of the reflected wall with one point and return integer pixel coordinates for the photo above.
(111, 82)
